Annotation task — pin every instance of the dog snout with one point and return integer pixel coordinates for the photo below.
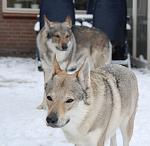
(52, 119)
(64, 47)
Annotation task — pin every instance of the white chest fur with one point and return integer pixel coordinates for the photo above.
(82, 139)
(61, 55)
(74, 131)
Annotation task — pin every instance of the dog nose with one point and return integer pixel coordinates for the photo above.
(64, 46)
(52, 118)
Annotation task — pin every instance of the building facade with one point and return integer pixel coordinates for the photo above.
(17, 19)
(17, 36)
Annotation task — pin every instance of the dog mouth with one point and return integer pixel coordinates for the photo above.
(58, 125)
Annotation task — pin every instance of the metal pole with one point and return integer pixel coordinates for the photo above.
(148, 31)
(134, 16)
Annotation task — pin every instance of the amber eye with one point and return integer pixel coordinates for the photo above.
(49, 98)
(57, 36)
(69, 100)
(67, 36)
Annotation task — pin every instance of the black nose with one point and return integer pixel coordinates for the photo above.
(64, 46)
(52, 118)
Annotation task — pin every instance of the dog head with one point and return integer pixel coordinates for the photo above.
(59, 34)
(66, 94)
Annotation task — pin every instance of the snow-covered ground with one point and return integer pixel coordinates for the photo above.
(21, 124)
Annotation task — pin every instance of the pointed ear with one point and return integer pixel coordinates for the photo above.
(83, 75)
(56, 67)
(48, 23)
(68, 22)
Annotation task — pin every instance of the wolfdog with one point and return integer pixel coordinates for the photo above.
(72, 44)
(90, 106)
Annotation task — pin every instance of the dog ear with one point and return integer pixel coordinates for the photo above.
(56, 67)
(48, 23)
(83, 74)
(68, 21)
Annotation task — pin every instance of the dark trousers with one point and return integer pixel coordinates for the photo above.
(110, 16)
(56, 10)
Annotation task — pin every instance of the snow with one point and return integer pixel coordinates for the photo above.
(21, 124)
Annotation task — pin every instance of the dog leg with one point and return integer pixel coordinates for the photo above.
(124, 132)
(124, 135)
(101, 141)
(113, 141)
(130, 126)
(42, 106)
(85, 145)
(127, 130)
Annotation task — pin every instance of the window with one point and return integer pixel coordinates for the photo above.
(21, 6)
(80, 6)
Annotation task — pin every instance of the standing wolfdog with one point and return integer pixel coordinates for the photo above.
(71, 44)
(90, 106)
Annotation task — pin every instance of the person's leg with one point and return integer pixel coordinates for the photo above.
(110, 17)
(56, 10)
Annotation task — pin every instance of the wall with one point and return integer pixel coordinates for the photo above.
(17, 37)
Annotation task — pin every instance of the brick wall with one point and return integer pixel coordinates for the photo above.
(17, 37)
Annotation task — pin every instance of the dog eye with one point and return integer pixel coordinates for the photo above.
(57, 36)
(67, 36)
(69, 100)
(49, 98)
